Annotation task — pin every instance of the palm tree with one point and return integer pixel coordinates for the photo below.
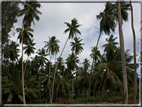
(29, 49)
(107, 24)
(11, 50)
(73, 31)
(30, 13)
(52, 48)
(63, 85)
(44, 80)
(77, 48)
(83, 78)
(98, 54)
(108, 71)
(15, 94)
(42, 57)
(110, 47)
(71, 62)
(108, 17)
(134, 47)
(125, 85)
(31, 89)
(42, 60)
(27, 34)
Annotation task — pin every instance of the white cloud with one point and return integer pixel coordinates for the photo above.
(54, 15)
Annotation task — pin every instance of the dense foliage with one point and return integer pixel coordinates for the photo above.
(72, 78)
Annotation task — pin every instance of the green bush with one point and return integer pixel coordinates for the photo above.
(35, 101)
(78, 100)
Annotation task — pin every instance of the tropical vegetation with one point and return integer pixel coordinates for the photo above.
(111, 76)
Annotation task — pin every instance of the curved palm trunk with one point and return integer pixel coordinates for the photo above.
(22, 66)
(134, 47)
(92, 66)
(56, 69)
(125, 85)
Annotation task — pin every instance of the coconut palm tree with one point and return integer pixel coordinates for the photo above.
(27, 34)
(110, 47)
(44, 80)
(30, 13)
(42, 57)
(134, 51)
(125, 85)
(71, 62)
(77, 48)
(98, 54)
(107, 24)
(31, 89)
(63, 87)
(15, 94)
(29, 49)
(110, 14)
(42, 60)
(73, 31)
(11, 50)
(83, 78)
(52, 49)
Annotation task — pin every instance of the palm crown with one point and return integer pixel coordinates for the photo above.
(72, 28)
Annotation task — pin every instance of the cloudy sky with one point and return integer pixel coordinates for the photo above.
(54, 15)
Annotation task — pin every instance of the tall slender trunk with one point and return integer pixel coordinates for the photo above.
(87, 93)
(70, 96)
(30, 99)
(125, 85)
(49, 80)
(84, 92)
(46, 96)
(56, 69)
(22, 66)
(134, 47)
(92, 65)
(94, 92)
(72, 88)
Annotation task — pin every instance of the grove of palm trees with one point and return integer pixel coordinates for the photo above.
(69, 69)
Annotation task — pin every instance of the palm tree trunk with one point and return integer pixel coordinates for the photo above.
(30, 99)
(78, 91)
(22, 66)
(49, 80)
(46, 96)
(134, 47)
(70, 96)
(72, 88)
(87, 93)
(94, 92)
(84, 92)
(92, 65)
(125, 85)
(56, 70)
